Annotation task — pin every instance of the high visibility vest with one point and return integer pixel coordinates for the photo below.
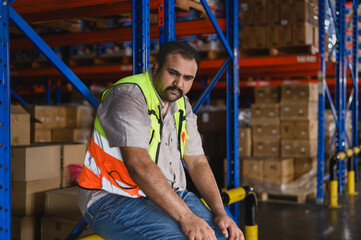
(103, 166)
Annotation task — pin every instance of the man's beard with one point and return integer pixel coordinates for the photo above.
(170, 97)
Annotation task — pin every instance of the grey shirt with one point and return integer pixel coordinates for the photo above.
(123, 115)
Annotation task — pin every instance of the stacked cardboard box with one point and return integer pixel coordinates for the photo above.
(279, 23)
(61, 123)
(299, 125)
(265, 122)
(61, 214)
(34, 170)
(19, 125)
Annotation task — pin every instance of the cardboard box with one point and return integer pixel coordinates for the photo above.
(77, 135)
(285, 11)
(24, 228)
(278, 171)
(263, 110)
(41, 135)
(81, 116)
(269, 94)
(273, 12)
(299, 129)
(49, 116)
(294, 110)
(266, 148)
(273, 38)
(55, 228)
(212, 119)
(245, 142)
(254, 37)
(304, 165)
(284, 33)
(298, 148)
(19, 125)
(302, 34)
(63, 203)
(261, 12)
(71, 154)
(252, 168)
(304, 92)
(28, 197)
(302, 12)
(266, 130)
(35, 162)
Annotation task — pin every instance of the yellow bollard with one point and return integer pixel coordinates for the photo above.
(334, 194)
(351, 183)
(251, 232)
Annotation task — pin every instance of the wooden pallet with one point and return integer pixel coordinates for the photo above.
(279, 51)
(285, 198)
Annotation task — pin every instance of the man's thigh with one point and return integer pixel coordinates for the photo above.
(116, 217)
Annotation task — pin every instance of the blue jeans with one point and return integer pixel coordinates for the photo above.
(123, 218)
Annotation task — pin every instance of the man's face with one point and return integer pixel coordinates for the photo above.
(175, 78)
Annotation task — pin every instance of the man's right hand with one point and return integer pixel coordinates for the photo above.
(195, 228)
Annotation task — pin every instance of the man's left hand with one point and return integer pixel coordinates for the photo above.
(228, 227)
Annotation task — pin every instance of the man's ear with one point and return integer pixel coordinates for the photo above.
(155, 67)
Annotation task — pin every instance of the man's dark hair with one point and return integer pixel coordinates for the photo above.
(177, 47)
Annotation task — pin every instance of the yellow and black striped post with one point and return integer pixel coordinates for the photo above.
(251, 208)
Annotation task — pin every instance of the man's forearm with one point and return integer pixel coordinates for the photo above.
(203, 179)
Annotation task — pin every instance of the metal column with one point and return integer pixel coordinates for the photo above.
(321, 103)
(166, 21)
(5, 179)
(141, 36)
(355, 101)
(340, 89)
(232, 103)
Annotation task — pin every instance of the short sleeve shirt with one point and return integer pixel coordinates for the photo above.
(123, 115)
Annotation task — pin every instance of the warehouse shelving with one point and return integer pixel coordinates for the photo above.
(306, 66)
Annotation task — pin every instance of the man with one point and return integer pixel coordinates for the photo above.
(133, 184)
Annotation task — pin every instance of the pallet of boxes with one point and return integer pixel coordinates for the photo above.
(278, 27)
(284, 138)
(43, 174)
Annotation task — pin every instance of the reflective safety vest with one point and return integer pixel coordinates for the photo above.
(103, 165)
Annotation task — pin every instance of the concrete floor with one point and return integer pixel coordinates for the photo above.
(291, 221)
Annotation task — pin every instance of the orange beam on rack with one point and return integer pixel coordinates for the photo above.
(49, 10)
(119, 34)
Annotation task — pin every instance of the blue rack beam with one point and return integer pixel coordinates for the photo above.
(355, 101)
(167, 25)
(232, 103)
(321, 103)
(5, 179)
(141, 36)
(52, 57)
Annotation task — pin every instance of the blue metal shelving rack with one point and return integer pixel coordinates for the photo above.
(339, 106)
(141, 62)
